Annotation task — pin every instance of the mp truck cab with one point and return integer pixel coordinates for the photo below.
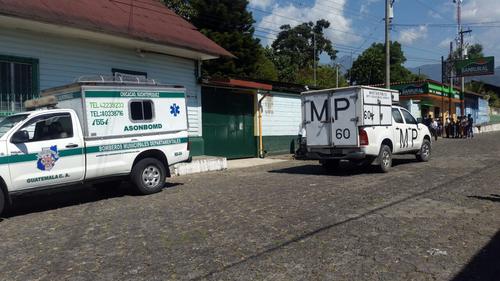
(94, 131)
(360, 124)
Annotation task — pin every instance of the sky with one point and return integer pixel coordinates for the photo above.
(424, 27)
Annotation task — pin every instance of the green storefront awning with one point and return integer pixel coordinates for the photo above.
(426, 103)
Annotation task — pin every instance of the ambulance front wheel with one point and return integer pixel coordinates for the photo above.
(148, 176)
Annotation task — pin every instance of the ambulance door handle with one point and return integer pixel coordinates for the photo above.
(71, 145)
(134, 140)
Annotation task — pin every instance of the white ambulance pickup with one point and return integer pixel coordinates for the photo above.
(362, 125)
(93, 132)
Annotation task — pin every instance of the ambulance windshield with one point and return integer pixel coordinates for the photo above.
(11, 121)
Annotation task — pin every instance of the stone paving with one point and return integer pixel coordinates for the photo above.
(289, 220)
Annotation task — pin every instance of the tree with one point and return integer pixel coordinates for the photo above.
(326, 77)
(369, 67)
(181, 7)
(229, 24)
(265, 70)
(293, 49)
(473, 52)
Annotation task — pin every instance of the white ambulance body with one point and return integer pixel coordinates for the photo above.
(360, 124)
(94, 131)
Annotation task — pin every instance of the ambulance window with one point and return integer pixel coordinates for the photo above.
(49, 127)
(397, 116)
(141, 110)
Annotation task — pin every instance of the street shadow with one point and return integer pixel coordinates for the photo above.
(41, 201)
(492, 198)
(346, 169)
(484, 266)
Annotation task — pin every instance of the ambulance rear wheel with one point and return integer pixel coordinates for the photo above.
(2, 201)
(148, 176)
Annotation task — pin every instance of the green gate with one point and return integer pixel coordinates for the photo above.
(228, 124)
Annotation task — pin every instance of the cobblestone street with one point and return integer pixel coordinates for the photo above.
(438, 220)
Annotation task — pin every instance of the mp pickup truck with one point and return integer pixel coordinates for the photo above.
(362, 125)
(93, 132)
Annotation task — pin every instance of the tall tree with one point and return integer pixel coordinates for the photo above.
(181, 7)
(229, 24)
(299, 47)
(368, 68)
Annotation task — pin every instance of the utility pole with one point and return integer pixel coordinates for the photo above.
(388, 5)
(314, 66)
(337, 73)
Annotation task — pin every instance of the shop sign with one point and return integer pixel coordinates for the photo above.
(475, 67)
(414, 89)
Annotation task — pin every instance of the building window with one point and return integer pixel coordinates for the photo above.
(124, 74)
(141, 110)
(18, 82)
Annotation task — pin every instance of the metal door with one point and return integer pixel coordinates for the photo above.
(228, 123)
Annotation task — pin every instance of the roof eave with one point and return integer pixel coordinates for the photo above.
(120, 40)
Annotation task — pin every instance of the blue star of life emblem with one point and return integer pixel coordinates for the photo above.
(175, 110)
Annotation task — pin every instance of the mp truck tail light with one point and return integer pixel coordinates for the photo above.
(189, 146)
(363, 137)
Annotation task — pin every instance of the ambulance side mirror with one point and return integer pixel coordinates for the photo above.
(20, 137)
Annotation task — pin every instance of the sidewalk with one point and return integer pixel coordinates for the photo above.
(202, 164)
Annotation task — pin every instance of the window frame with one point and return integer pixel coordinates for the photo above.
(35, 66)
(46, 116)
(400, 115)
(415, 120)
(153, 113)
(114, 71)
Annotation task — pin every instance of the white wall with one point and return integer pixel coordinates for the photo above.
(281, 115)
(62, 60)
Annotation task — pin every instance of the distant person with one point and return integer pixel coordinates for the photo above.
(447, 127)
(470, 126)
(434, 129)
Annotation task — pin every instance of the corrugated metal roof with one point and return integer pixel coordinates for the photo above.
(145, 20)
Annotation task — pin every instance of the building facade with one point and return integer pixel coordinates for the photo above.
(51, 43)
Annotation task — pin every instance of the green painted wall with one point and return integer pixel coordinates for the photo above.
(197, 146)
(274, 145)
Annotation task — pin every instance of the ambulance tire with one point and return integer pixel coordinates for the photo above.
(424, 154)
(2, 201)
(385, 159)
(148, 176)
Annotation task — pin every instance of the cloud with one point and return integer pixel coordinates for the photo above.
(445, 44)
(410, 35)
(293, 15)
(261, 3)
(365, 6)
(481, 10)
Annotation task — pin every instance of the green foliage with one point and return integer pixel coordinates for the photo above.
(325, 77)
(473, 52)
(369, 67)
(478, 87)
(181, 7)
(266, 70)
(293, 51)
(229, 24)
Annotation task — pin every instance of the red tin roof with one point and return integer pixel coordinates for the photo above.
(145, 20)
(237, 83)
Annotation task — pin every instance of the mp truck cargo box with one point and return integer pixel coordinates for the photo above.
(332, 117)
(360, 124)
